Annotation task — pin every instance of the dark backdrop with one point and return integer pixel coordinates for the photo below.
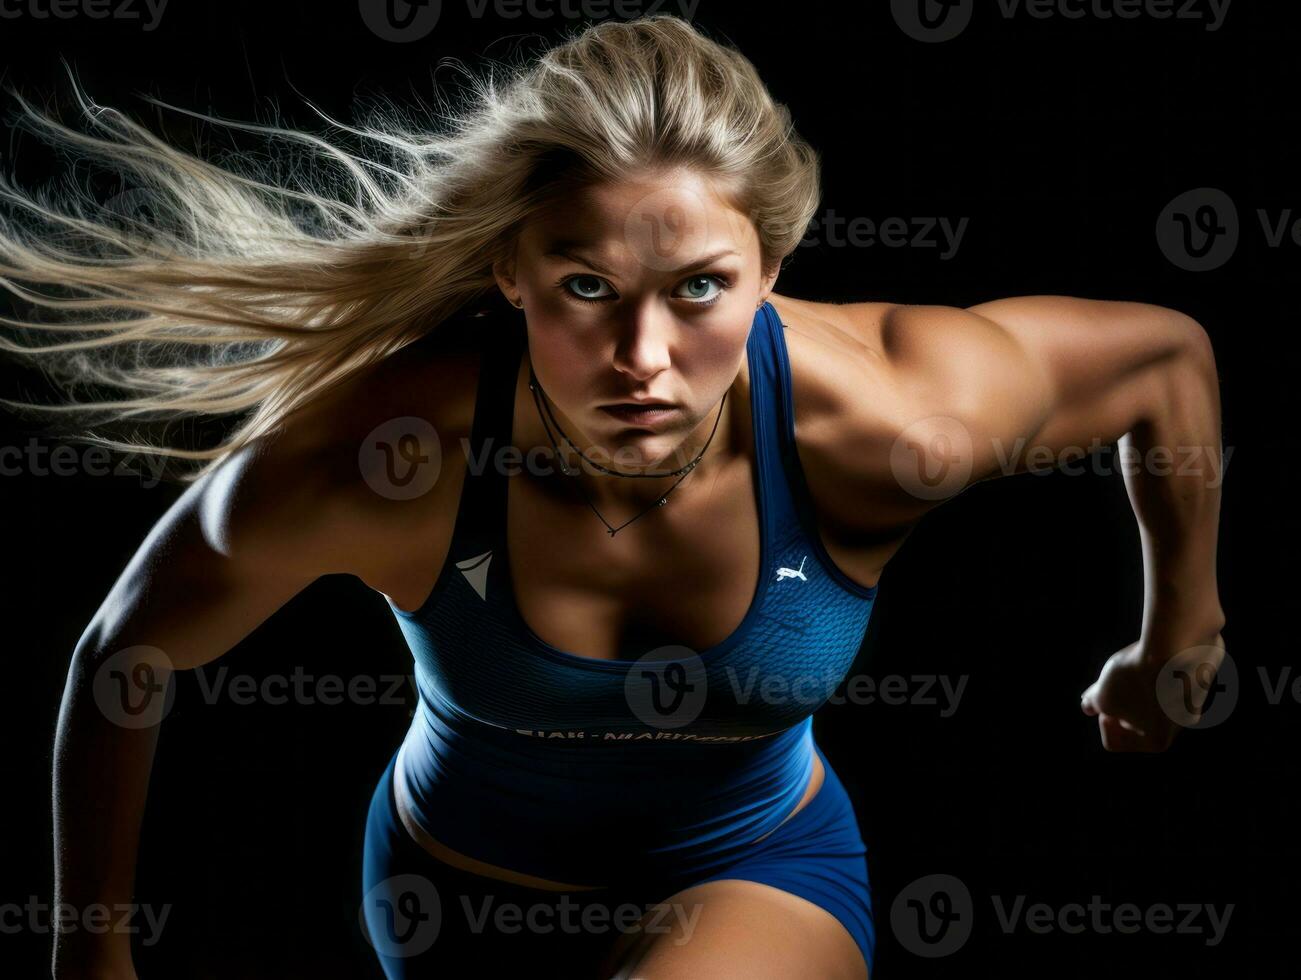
(1059, 141)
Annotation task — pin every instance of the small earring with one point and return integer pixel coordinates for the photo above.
(517, 303)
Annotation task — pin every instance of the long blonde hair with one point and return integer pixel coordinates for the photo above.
(242, 296)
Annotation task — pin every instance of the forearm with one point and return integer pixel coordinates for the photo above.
(101, 778)
(1173, 468)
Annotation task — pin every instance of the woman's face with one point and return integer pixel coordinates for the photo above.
(643, 289)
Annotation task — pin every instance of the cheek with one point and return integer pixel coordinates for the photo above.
(561, 357)
(718, 354)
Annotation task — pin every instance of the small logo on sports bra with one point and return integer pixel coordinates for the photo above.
(793, 572)
(475, 571)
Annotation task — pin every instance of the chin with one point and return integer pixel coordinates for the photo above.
(633, 449)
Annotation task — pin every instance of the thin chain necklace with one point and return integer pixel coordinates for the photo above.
(536, 388)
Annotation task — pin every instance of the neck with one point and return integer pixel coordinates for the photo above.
(617, 493)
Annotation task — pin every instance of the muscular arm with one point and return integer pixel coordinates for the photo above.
(1143, 377)
(941, 398)
(232, 549)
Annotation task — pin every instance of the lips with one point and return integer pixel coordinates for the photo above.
(641, 413)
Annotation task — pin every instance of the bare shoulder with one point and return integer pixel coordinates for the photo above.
(354, 474)
(280, 512)
(838, 367)
(863, 373)
(835, 353)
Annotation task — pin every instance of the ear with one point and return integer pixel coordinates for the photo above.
(767, 283)
(503, 270)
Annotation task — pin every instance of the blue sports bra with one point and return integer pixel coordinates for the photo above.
(584, 770)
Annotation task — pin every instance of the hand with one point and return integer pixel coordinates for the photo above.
(1139, 690)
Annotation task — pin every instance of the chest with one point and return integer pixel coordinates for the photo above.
(685, 573)
(725, 636)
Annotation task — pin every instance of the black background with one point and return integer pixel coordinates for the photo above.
(1061, 140)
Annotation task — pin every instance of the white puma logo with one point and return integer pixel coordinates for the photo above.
(475, 571)
(793, 572)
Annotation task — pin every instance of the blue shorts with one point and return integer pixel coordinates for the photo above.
(421, 914)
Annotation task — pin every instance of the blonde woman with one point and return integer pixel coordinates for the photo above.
(527, 375)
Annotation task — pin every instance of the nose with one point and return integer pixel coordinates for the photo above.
(643, 348)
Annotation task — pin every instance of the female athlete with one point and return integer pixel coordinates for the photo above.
(527, 375)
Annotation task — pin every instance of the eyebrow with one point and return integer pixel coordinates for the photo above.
(569, 250)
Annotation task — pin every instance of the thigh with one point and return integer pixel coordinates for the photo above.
(797, 903)
(732, 928)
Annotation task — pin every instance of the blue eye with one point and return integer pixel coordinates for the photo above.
(585, 282)
(696, 282)
(587, 288)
